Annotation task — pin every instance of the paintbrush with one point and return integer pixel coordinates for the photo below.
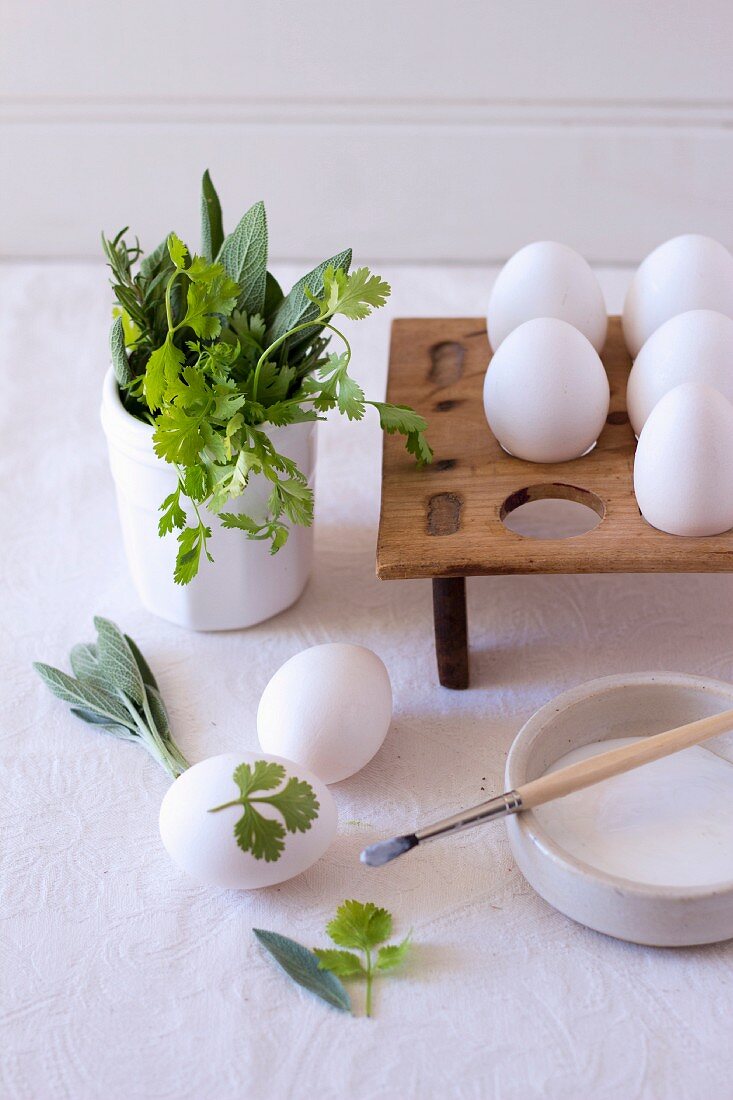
(556, 785)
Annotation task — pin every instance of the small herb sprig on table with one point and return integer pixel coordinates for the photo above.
(361, 926)
(114, 688)
(214, 354)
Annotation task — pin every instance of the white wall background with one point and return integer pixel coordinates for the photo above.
(410, 129)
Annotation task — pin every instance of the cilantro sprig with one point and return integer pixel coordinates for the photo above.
(362, 926)
(212, 352)
(296, 803)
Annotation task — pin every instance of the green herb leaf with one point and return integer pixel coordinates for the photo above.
(85, 664)
(177, 251)
(342, 389)
(116, 660)
(342, 963)
(157, 261)
(297, 308)
(173, 515)
(177, 438)
(145, 669)
(208, 298)
(191, 543)
(116, 690)
(362, 925)
(392, 956)
(124, 733)
(273, 295)
(163, 368)
(302, 966)
(354, 295)
(212, 230)
(296, 803)
(121, 367)
(159, 713)
(405, 421)
(244, 257)
(294, 499)
(86, 696)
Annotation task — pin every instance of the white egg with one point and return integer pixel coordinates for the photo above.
(683, 470)
(546, 392)
(204, 844)
(692, 347)
(329, 708)
(547, 279)
(688, 272)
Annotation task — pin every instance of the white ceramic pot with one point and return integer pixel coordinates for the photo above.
(617, 706)
(245, 584)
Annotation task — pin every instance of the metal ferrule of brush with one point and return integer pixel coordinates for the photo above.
(501, 806)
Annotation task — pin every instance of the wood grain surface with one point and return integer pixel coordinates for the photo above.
(446, 519)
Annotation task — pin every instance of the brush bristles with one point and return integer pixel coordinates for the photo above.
(376, 855)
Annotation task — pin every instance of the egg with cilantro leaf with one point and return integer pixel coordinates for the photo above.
(241, 821)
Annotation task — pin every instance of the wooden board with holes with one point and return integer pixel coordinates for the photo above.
(445, 521)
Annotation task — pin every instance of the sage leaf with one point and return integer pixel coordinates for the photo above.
(212, 230)
(92, 719)
(85, 664)
(145, 670)
(159, 713)
(116, 691)
(121, 367)
(273, 295)
(296, 308)
(244, 258)
(84, 695)
(302, 966)
(117, 661)
(158, 258)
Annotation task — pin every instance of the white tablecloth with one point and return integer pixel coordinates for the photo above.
(122, 979)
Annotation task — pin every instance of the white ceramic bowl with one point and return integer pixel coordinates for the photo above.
(616, 706)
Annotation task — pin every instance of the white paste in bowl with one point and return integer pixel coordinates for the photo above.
(669, 823)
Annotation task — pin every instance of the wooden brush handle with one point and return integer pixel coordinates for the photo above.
(617, 761)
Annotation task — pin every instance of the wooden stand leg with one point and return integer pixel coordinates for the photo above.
(451, 631)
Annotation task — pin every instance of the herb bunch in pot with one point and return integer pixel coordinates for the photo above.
(218, 379)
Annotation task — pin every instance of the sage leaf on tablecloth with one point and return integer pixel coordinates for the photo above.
(302, 966)
(84, 695)
(145, 669)
(115, 689)
(117, 662)
(85, 664)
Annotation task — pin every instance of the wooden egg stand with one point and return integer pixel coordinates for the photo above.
(444, 522)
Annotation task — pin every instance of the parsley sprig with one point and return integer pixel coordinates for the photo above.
(296, 803)
(211, 351)
(362, 926)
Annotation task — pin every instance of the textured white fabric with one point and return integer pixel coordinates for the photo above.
(123, 980)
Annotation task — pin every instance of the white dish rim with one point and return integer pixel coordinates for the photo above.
(530, 826)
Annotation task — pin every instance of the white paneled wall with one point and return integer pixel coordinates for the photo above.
(410, 129)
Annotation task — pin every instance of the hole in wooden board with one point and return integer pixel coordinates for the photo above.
(444, 513)
(446, 363)
(552, 511)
